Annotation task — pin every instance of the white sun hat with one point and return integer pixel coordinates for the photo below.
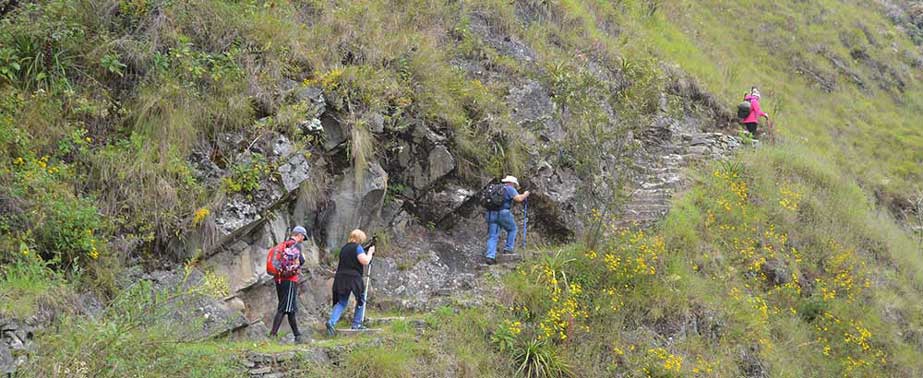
(511, 180)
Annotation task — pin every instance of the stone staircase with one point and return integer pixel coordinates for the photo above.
(667, 152)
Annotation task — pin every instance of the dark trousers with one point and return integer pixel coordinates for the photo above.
(287, 292)
(751, 127)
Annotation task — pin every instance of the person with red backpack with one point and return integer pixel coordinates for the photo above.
(752, 117)
(284, 264)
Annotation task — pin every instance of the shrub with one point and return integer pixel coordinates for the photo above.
(247, 176)
(135, 335)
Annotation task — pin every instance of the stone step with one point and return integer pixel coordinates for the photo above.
(651, 203)
(644, 216)
(385, 320)
(508, 258)
(646, 211)
(642, 191)
(502, 259)
(388, 320)
(356, 332)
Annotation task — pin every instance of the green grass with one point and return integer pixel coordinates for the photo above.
(106, 101)
(27, 284)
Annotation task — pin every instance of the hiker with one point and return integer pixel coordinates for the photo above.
(503, 218)
(348, 280)
(287, 283)
(751, 121)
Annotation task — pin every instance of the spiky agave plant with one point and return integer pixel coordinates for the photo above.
(537, 359)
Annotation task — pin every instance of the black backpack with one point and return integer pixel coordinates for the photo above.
(492, 197)
(743, 110)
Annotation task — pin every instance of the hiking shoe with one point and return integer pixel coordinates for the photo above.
(360, 327)
(302, 340)
(507, 252)
(491, 261)
(330, 330)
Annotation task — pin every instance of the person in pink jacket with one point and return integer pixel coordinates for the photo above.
(752, 120)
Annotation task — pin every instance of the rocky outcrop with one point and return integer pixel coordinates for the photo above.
(198, 315)
(15, 341)
(354, 203)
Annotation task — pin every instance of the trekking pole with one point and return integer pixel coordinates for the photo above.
(365, 293)
(525, 222)
(772, 132)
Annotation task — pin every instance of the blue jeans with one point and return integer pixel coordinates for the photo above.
(495, 221)
(340, 308)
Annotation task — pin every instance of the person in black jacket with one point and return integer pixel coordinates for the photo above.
(348, 280)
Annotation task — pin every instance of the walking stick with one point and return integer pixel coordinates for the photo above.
(368, 281)
(772, 131)
(525, 222)
(365, 293)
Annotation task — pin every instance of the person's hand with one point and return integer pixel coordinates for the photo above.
(526, 193)
(371, 251)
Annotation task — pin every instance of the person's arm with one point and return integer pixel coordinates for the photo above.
(300, 248)
(365, 258)
(758, 110)
(521, 197)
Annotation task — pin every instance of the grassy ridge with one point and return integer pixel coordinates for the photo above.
(871, 128)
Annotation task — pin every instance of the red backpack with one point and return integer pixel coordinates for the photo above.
(283, 260)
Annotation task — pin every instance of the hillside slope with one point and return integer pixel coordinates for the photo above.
(188, 136)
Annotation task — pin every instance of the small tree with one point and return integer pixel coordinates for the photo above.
(600, 121)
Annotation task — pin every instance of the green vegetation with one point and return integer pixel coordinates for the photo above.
(785, 260)
(137, 334)
(770, 265)
(28, 284)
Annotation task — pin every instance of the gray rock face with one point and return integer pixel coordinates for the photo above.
(434, 206)
(532, 108)
(294, 171)
(314, 98)
(197, 316)
(505, 44)
(375, 123)
(355, 205)
(15, 341)
(335, 134)
(240, 213)
(441, 162)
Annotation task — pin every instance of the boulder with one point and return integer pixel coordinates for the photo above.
(434, 206)
(196, 315)
(313, 97)
(439, 163)
(335, 133)
(375, 122)
(410, 283)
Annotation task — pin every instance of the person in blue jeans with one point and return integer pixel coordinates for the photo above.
(348, 280)
(503, 218)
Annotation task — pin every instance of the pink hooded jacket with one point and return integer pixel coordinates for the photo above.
(755, 111)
